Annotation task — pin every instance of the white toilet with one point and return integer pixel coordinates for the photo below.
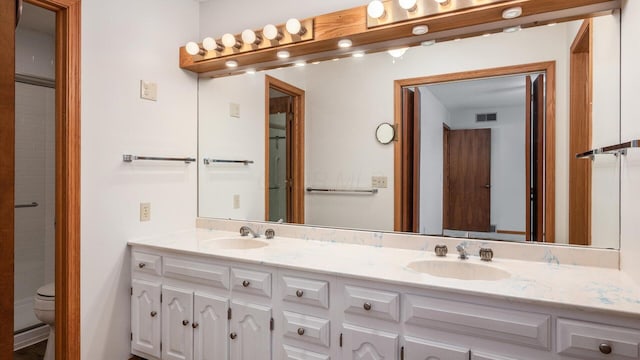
(44, 307)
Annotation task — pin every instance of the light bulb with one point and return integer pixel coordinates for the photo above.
(512, 13)
(344, 43)
(409, 5)
(396, 53)
(271, 32)
(231, 64)
(443, 2)
(375, 9)
(192, 48)
(249, 37)
(210, 44)
(283, 54)
(228, 40)
(294, 27)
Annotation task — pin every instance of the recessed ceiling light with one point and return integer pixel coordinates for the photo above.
(231, 63)
(345, 43)
(358, 54)
(512, 13)
(428, 43)
(283, 54)
(512, 29)
(420, 30)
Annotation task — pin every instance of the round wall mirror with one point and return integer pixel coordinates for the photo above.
(385, 133)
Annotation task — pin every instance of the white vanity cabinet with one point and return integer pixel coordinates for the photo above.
(186, 307)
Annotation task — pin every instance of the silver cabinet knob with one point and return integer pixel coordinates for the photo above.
(142, 265)
(233, 336)
(153, 314)
(195, 325)
(300, 331)
(299, 293)
(246, 283)
(367, 306)
(185, 322)
(605, 348)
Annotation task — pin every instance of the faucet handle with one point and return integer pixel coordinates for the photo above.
(486, 254)
(269, 233)
(441, 250)
(244, 231)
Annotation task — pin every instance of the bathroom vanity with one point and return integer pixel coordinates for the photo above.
(211, 294)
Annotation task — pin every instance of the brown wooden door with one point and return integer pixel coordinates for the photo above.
(469, 180)
(538, 159)
(580, 170)
(527, 157)
(410, 192)
(7, 148)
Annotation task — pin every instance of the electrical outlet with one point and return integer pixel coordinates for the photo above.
(148, 90)
(236, 201)
(145, 211)
(378, 182)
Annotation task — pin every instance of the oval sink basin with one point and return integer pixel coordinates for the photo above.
(461, 270)
(241, 243)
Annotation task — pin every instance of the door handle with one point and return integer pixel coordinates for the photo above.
(487, 186)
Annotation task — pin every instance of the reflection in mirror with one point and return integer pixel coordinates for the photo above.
(348, 97)
(385, 133)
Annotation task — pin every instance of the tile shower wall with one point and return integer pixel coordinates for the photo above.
(34, 180)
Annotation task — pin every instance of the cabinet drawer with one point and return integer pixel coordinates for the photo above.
(293, 353)
(146, 263)
(593, 341)
(306, 328)
(251, 282)
(497, 324)
(373, 303)
(195, 271)
(305, 291)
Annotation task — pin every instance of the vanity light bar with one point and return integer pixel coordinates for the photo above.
(271, 36)
(385, 12)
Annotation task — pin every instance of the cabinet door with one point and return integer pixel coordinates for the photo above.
(210, 327)
(177, 315)
(250, 332)
(145, 317)
(420, 349)
(367, 344)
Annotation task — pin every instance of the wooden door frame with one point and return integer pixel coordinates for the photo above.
(580, 115)
(67, 178)
(298, 141)
(549, 67)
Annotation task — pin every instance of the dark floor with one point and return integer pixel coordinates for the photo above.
(33, 352)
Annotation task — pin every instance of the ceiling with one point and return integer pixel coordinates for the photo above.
(504, 91)
(38, 19)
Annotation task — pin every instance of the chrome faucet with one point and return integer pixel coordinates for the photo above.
(245, 230)
(464, 255)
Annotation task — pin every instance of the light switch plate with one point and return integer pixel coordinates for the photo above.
(148, 90)
(378, 182)
(236, 201)
(234, 110)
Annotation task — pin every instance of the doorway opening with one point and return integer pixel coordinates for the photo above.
(66, 169)
(462, 190)
(284, 152)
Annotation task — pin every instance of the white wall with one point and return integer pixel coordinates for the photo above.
(434, 114)
(122, 43)
(630, 128)
(508, 176)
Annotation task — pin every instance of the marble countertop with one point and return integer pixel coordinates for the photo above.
(577, 287)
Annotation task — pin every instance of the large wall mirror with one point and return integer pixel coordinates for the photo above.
(490, 152)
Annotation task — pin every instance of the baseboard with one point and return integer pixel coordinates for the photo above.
(30, 337)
